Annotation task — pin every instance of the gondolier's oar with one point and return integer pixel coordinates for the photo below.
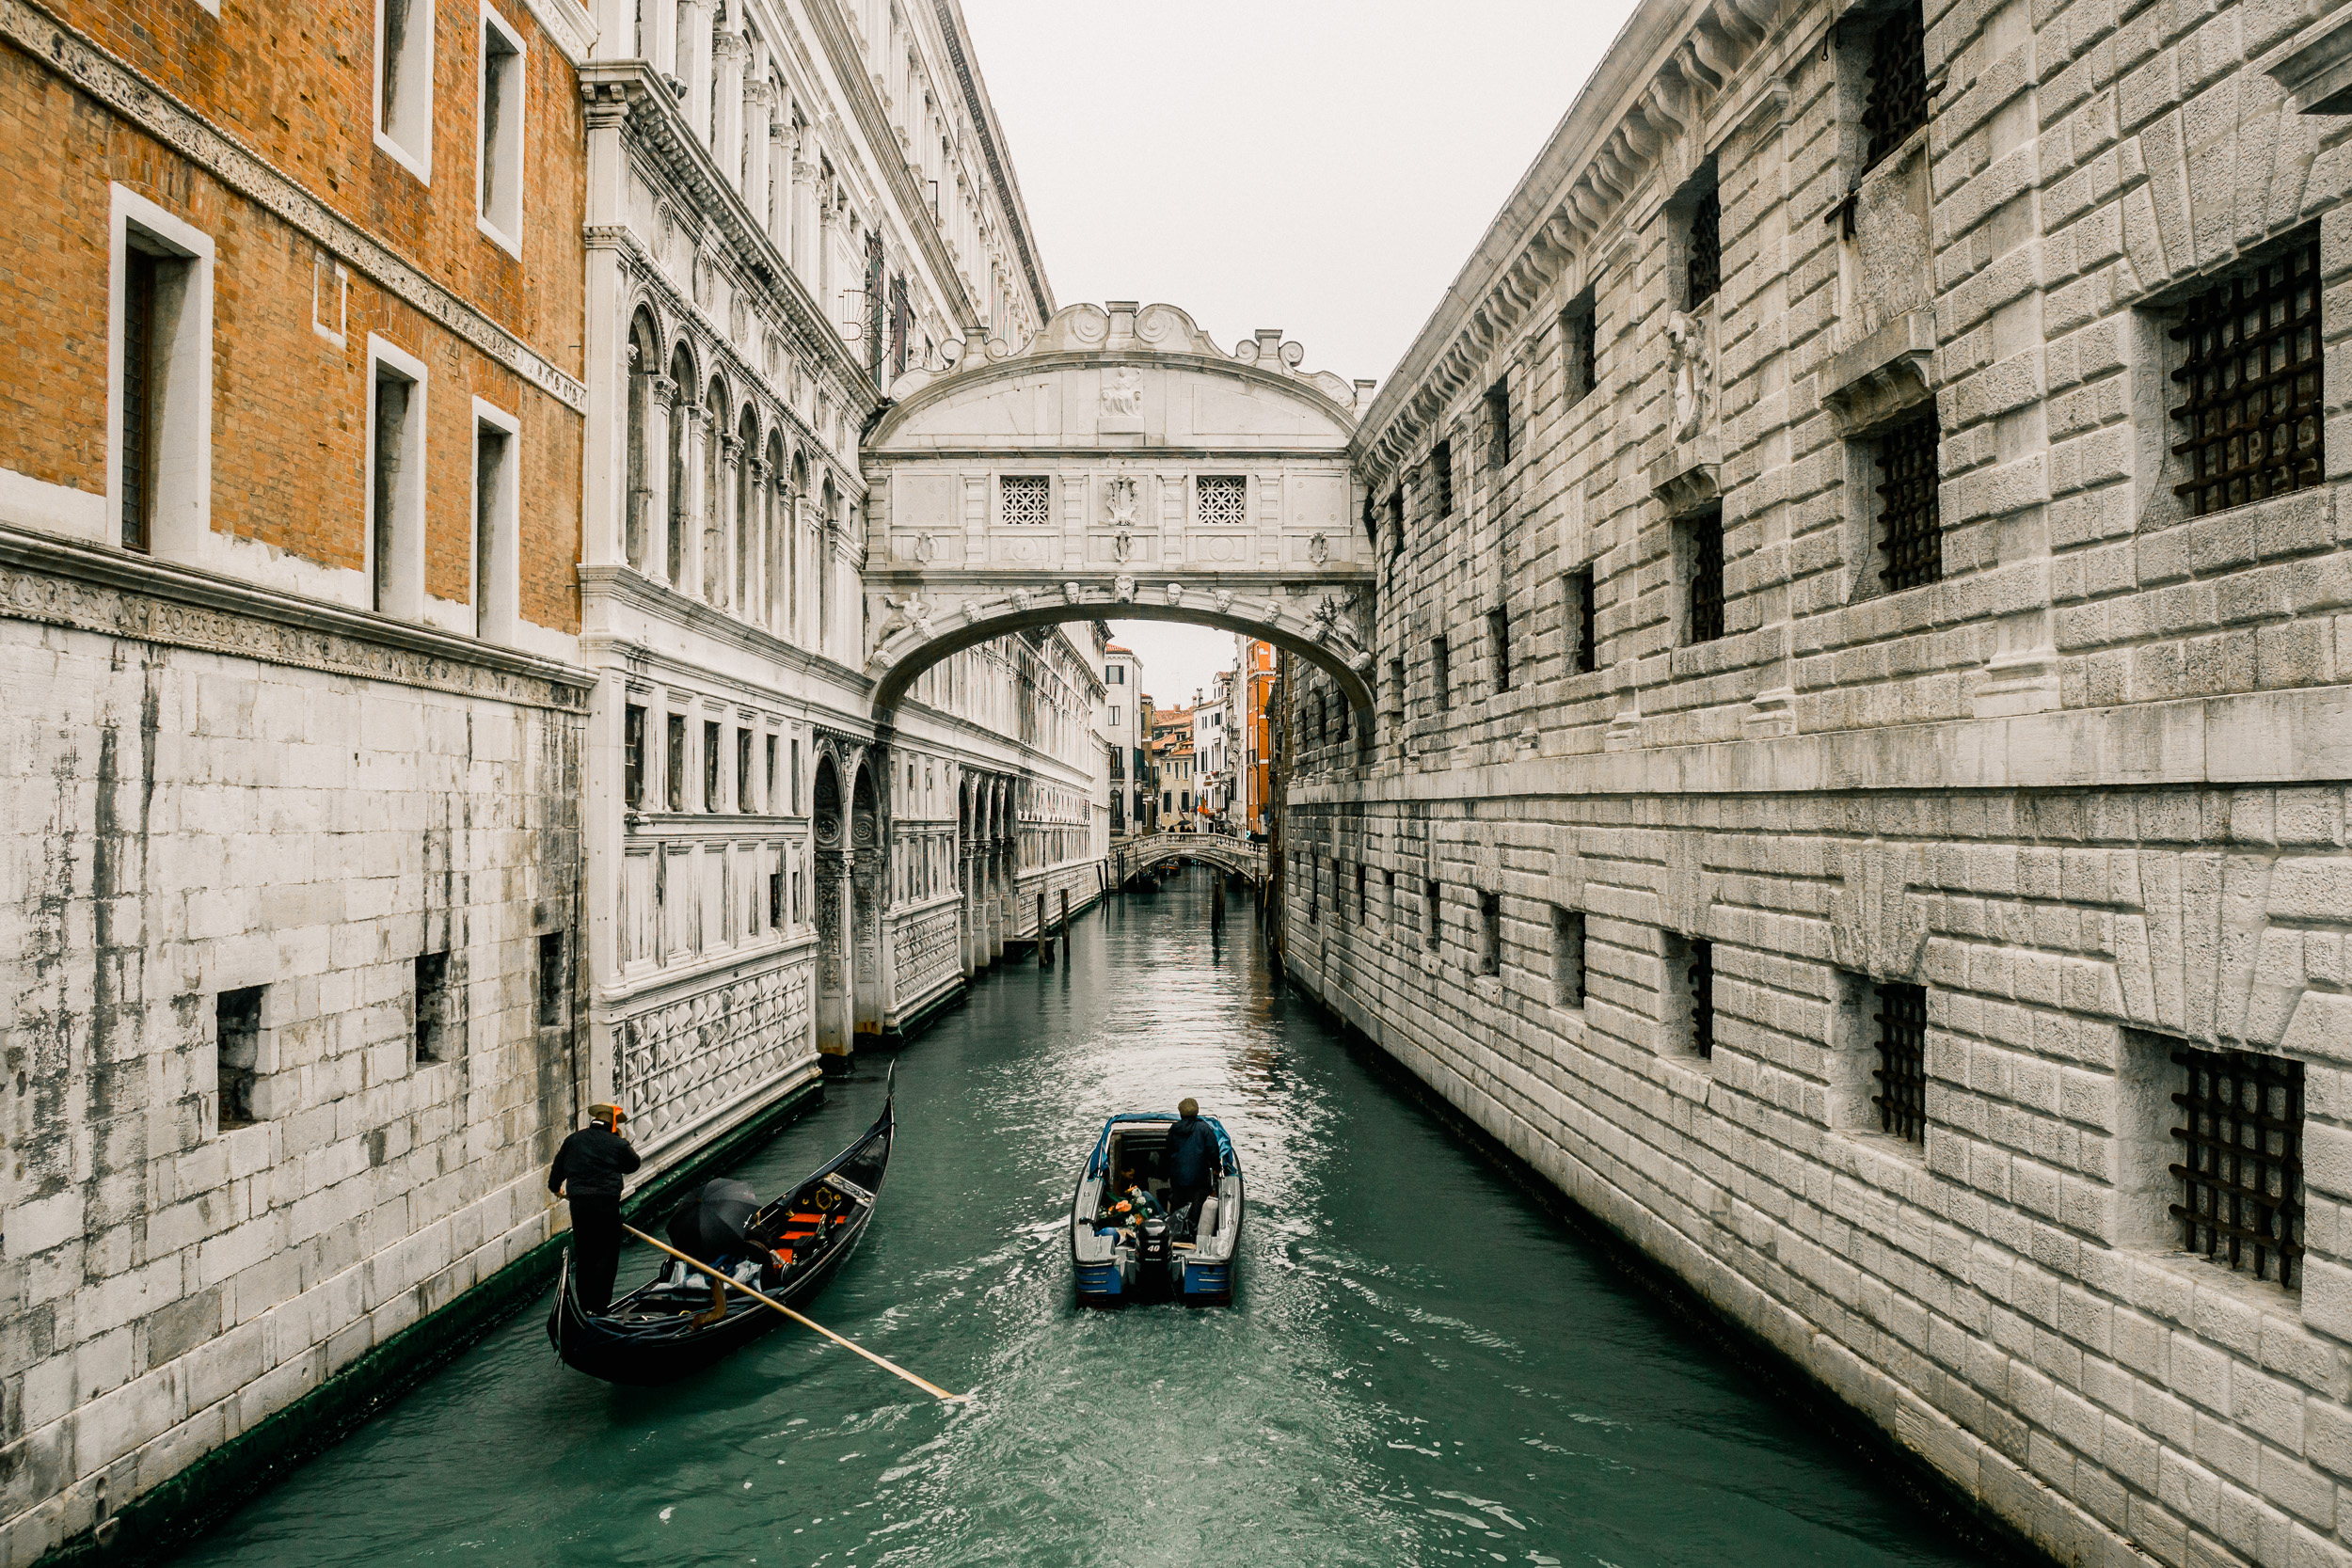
(932, 1389)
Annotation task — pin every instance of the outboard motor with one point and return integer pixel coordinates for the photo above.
(1152, 1249)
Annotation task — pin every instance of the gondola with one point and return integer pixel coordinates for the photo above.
(649, 1337)
(1114, 1264)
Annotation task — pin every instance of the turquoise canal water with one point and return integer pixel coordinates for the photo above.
(1422, 1366)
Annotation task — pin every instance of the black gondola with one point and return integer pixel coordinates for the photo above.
(650, 1336)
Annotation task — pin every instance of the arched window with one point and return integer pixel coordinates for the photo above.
(714, 493)
(747, 504)
(673, 549)
(798, 502)
(644, 364)
(826, 523)
(777, 501)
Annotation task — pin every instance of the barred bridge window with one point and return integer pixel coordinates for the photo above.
(2241, 1131)
(1902, 1069)
(1703, 267)
(2251, 415)
(1897, 105)
(1025, 499)
(1911, 527)
(1222, 501)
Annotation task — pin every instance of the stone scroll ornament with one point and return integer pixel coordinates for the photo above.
(1693, 377)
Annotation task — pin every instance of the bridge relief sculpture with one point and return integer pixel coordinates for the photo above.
(1117, 464)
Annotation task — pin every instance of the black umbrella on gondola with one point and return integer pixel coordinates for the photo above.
(709, 1224)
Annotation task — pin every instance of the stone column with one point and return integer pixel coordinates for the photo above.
(661, 40)
(694, 518)
(605, 501)
(756, 139)
(719, 527)
(661, 395)
(693, 51)
(754, 606)
(726, 104)
(782, 154)
(802, 217)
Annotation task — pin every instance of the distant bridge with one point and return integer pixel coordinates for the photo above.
(1227, 854)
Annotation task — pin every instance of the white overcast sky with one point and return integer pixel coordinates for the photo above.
(1320, 165)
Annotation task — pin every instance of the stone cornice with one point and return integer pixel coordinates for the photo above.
(116, 84)
(567, 24)
(658, 128)
(626, 585)
(1667, 77)
(117, 593)
(832, 32)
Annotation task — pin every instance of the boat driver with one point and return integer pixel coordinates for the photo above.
(587, 1174)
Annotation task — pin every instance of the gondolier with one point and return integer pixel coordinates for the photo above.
(587, 1174)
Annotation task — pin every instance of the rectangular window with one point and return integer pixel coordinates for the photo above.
(2239, 1132)
(1567, 957)
(2250, 417)
(1396, 684)
(1363, 874)
(1498, 424)
(1441, 478)
(435, 1037)
(1901, 1097)
(159, 381)
(773, 802)
(710, 764)
(396, 482)
(499, 147)
(1911, 531)
(1489, 933)
(1575, 613)
(1115, 674)
(675, 761)
(1113, 721)
(792, 785)
(1430, 915)
(1580, 351)
(497, 523)
(1703, 249)
(551, 979)
(236, 1054)
(1025, 501)
(1441, 673)
(1687, 993)
(1221, 500)
(404, 83)
(1702, 566)
(633, 757)
(1898, 100)
(138, 399)
(1314, 890)
(775, 900)
(1396, 522)
(746, 796)
(1699, 976)
(1499, 645)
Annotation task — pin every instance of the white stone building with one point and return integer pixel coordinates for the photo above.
(1859, 792)
(1120, 726)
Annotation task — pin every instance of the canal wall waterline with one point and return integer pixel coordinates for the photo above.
(1793, 1378)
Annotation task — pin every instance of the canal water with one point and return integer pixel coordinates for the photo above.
(1420, 1365)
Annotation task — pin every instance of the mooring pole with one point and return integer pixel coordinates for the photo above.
(1044, 941)
(1065, 925)
(1216, 901)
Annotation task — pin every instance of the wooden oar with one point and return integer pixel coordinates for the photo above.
(932, 1389)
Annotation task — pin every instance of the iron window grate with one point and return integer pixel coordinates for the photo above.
(2250, 421)
(1441, 476)
(1703, 268)
(1898, 102)
(1902, 1069)
(1583, 355)
(1498, 424)
(1911, 525)
(1701, 974)
(1586, 656)
(2241, 1128)
(1499, 639)
(1706, 577)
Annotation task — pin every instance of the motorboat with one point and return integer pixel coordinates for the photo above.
(1121, 1250)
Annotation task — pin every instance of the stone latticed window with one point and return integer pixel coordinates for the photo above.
(1221, 500)
(1911, 529)
(1898, 100)
(1901, 1074)
(1025, 501)
(2240, 1132)
(2249, 419)
(1702, 252)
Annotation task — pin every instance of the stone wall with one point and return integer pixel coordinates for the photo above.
(187, 825)
(2080, 783)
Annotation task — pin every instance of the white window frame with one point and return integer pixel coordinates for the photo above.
(404, 586)
(505, 228)
(182, 517)
(417, 66)
(504, 599)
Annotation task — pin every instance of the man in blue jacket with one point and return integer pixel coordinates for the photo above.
(1193, 1163)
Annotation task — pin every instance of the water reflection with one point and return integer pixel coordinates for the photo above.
(1420, 1366)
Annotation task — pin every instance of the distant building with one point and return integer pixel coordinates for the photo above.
(1124, 724)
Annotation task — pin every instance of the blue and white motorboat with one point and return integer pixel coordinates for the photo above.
(1118, 1255)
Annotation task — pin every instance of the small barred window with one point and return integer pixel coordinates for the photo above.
(1441, 476)
(1902, 1069)
(1221, 500)
(1703, 265)
(1704, 619)
(1577, 608)
(2241, 1133)
(1580, 352)
(1700, 975)
(2250, 418)
(1026, 499)
(1911, 528)
(1897, 103)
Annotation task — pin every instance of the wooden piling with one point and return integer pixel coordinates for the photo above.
(1044, 938)
(1065, 925)
(1217, 900)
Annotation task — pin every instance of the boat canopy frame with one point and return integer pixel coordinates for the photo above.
(1099, 1163)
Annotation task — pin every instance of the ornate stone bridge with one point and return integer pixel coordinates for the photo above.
(1118, 466)
(1130, 856)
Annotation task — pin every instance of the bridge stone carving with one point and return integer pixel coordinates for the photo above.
(1116, 466)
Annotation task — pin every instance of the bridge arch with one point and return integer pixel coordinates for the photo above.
(1116, 466)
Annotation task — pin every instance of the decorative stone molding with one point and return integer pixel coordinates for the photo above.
(2316, 67)
(1885, 374)
(1688, 476)
(156, 113)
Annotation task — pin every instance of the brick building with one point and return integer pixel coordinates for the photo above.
(290, 425)
(1858, 798)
